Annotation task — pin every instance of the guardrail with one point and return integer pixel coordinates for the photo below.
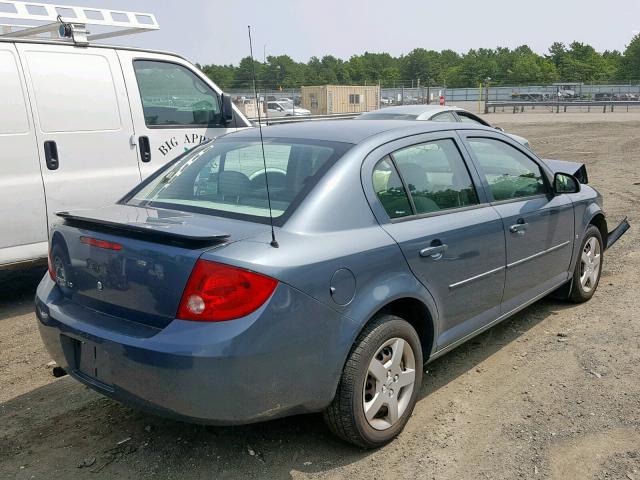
(557, 104)
(304, 118)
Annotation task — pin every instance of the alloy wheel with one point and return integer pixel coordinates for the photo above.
(590, 265)
(389, 383)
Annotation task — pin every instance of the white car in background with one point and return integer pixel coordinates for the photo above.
(285, 109)
(433, 113)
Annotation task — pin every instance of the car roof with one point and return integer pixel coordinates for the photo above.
(415, 109)
(347, 131)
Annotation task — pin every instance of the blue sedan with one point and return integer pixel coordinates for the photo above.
(393, 242)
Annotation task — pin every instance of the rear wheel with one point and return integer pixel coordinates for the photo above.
(379, 385)
(586, 275)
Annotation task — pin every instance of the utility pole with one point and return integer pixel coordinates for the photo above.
(428, 92)
(486, 94)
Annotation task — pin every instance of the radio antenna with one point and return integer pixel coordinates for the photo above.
(273, 243)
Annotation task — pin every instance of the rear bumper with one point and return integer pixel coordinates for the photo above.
(284, 359)
(617, 232)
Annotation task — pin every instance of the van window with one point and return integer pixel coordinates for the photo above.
(172, 95)
(65, 84)
(13, 115)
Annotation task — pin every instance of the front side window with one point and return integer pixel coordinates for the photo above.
(172, 95)
(389, 189)
(508, 172)
(228, 178)
(436, 176)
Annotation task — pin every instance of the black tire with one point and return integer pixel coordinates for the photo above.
(61, 266)
(578, 293)
(345, 416)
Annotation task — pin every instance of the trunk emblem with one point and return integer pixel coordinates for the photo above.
(99, 285)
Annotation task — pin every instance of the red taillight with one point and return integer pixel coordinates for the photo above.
(52, 272)
(94, 242)
(217, 292)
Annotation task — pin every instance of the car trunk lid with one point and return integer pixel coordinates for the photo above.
(133, 262)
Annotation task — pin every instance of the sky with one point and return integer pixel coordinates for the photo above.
(211, 31)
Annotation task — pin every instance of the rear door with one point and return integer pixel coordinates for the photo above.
(175, 107)
(23, 229)
(426, 198)
(539, 226)
(83, 125)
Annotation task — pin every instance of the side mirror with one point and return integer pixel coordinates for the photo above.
(565, 183)
(500, 129)
(227, 109)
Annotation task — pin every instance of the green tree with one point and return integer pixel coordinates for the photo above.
(629, 64)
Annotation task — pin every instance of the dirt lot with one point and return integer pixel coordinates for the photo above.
(551, 393)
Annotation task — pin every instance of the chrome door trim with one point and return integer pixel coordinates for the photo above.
(539, 254)
(477, 277)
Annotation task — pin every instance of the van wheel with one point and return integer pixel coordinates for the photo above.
(586, 274)
(379, 385)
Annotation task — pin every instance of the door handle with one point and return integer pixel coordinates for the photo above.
(520, 227)
(51, 155)
(145, 149)
(434, 252)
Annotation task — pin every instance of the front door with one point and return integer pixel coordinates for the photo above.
(175, 107)
(83, 125)
(539, 226)
(451, 238)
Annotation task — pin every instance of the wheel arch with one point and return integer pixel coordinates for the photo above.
(599, 221)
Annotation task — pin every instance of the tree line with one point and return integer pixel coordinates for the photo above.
(576, 62)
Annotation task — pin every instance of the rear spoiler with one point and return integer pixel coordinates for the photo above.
(162, 232)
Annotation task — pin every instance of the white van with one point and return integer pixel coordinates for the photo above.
(80, 124)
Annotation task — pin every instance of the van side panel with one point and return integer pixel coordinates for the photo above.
(23, 230)
(80, 105)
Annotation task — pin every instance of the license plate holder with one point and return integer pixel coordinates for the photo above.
(91, 360)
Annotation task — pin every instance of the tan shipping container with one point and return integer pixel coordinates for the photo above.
(328, 99)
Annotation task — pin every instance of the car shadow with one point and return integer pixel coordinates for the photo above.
(17, 289)
(110, 439)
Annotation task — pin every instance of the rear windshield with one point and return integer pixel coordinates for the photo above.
(227, 178)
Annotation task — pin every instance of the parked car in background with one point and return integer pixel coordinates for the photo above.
(433, 113)
(285, 109)
(396, 242)
(81, 124)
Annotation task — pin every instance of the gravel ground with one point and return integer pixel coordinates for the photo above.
(550, 393)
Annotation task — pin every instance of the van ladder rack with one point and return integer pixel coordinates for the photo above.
(65, 22)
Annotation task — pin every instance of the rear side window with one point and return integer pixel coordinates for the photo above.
(227, 178)
(444, 117)
(390, 190)
(436, 176)
(508, 172)
(172, 95)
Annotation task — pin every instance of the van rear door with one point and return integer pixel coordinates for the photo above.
(175, 107)
(83, 125)
(23, 229)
